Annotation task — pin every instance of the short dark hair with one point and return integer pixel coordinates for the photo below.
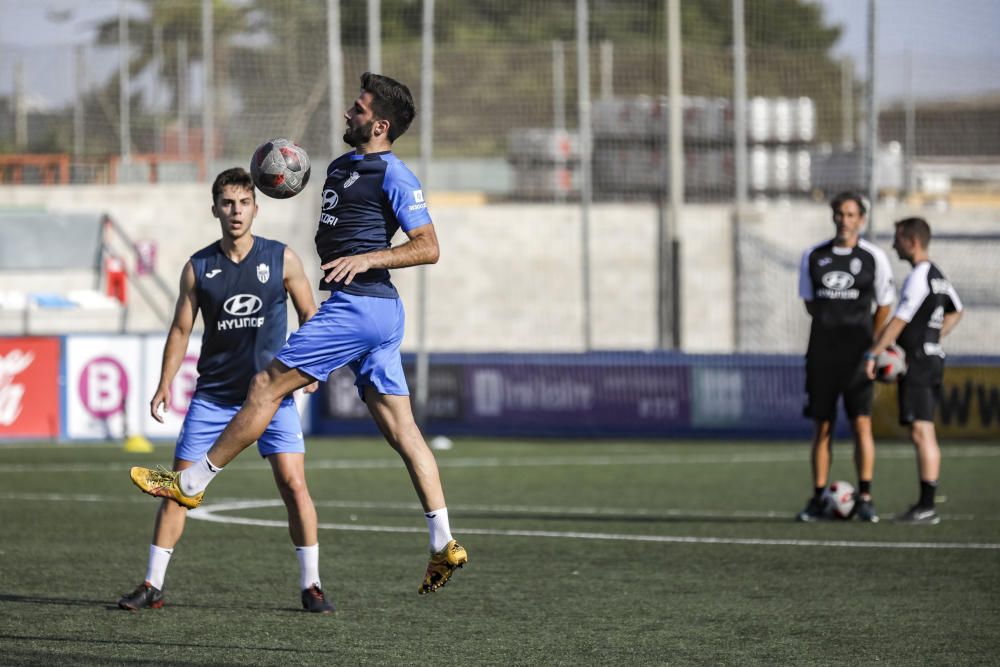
(391, 101)
(233, 176)
(855, 197)
(915, 228)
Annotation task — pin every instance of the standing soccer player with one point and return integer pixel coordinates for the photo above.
(240, 284)
(929, 308)
(843, 281)
(368, 195)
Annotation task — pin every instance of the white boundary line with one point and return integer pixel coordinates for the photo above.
(213, 512)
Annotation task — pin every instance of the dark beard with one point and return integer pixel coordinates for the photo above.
(355, 136)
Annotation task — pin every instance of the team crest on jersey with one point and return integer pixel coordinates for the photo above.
(823, 261)
(855, 266)
(350, 181)
(263, 272)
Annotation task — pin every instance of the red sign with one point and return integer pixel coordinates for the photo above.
(29, 387)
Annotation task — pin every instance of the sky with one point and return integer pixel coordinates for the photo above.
(952, 45)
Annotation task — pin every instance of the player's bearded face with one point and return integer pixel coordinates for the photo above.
(356, 135)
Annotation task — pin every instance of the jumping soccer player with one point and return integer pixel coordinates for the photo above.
(240, 284)
(929, 308)
(368, 195)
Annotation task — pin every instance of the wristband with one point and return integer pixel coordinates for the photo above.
(869, 356)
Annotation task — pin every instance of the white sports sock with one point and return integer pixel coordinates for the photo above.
(159, 558)
(437, 524)
(195, 479)
(308, 566)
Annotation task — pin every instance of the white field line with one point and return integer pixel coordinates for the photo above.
(528, 462)
(214, 512)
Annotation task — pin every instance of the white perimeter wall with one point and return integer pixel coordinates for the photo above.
(509, 277)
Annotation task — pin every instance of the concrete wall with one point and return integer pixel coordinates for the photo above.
(509, 278)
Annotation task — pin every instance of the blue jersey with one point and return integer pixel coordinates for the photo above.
(366, 199)
(244, 310)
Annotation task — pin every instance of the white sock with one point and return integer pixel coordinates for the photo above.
(159, 558)
(195, 479)
(437, 524)
(308, 566)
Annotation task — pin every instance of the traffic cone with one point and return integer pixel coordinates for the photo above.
(137, 444)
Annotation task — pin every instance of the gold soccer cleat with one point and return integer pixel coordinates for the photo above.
(164, 484)
(442, 565)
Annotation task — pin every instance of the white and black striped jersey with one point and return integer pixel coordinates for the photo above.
(925, 299)
(843, 285)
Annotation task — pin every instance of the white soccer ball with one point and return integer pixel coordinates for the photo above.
(280, 168)
(890, 364)
(441, 442)
(838, 500)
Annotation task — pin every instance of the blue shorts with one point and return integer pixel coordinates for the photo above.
(206, 420)
(363, 332)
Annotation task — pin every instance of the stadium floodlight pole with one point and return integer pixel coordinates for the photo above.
(375, 36)
(20, 108)
(739, 154)
(183, 93)
(871, 144)
(79, 103)
(586, 193)
(669, 273)
(847, 103)
(208, 92)
(335, 60)
(910, 154)
(124, 85)
(155, 92)
(607, 69)
(426, 146)
(559, 112)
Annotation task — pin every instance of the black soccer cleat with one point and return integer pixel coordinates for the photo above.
(315, 602)
(144, 595)
(813, 511)
(864, 509)
(919, 515)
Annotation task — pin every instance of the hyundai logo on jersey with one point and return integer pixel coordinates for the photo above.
(838, 280)
(241, 306)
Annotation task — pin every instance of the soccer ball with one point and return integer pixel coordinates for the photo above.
(838, 500)
(890, 364)
(280, 168)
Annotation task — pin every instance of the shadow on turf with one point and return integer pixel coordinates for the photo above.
(114, 642)
(113, 606)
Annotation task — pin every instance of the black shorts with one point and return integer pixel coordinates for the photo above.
(917, 402)
(828, 379)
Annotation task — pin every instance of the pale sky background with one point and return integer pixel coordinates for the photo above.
(953, 45)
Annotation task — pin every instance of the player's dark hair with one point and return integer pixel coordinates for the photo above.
(233, 176)
(916, 228)
(391, 101)
(836, 202)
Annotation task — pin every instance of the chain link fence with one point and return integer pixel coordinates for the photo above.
(506, 120)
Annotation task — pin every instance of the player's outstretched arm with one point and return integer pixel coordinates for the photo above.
(185, 311)
(421, 248)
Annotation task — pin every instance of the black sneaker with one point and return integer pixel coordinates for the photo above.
(918, 514)
(314, 601)
(864, 509)
(812, 512)
(144, 595)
